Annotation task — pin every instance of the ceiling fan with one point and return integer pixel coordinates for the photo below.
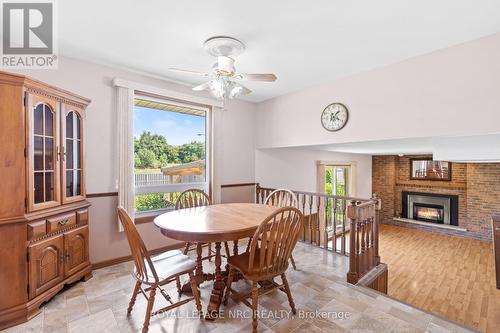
(224, 81)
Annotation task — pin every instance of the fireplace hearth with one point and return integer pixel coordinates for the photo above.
(431, 207)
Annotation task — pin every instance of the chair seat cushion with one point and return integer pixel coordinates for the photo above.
(170, 264)
(167, 254)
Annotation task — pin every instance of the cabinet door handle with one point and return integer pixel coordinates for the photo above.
(61, 258)
(63, 222)
(58, 153)
(64, 153)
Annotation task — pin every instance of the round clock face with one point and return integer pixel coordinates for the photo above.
(334, 117)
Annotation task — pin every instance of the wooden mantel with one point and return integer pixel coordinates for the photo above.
(431, 183)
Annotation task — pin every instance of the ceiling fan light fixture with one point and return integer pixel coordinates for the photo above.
(223, 77)
(222, 88)
(217, 88)
(236, 90)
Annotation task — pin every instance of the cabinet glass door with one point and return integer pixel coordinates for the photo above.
(72, 156)
(44, 157)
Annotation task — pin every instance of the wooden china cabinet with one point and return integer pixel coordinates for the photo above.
(44, 235)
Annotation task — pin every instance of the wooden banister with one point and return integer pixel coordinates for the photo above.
(495, 224)
(345, 225)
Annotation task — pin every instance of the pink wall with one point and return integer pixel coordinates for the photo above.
(295, 168)
(454, 91)
(235, 140)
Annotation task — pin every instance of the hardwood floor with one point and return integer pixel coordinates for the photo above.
(450, 276)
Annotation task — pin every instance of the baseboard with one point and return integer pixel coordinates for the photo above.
(119, 260)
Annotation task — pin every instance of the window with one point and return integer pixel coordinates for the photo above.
(337, 180)
(170, 151)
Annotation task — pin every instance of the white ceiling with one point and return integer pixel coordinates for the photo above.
(479, 148)
(383, 147)
(303, 42)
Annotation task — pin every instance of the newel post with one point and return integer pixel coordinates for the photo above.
(378, 207)
(353, 274)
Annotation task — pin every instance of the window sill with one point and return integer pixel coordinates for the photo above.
(147, 217)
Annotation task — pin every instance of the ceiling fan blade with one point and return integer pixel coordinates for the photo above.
(184, 71)
(203, 86)
(255, 77)
(244, 90)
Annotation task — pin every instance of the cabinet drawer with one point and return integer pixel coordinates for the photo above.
(60, 222)
(36, 229)
(82, 216)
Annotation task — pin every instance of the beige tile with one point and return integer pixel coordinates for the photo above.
(419, 320)
(114, 299)
(74, 290)
(326, 326)
(396, 324)
(433, 328)
(76, 308)
(101, 322)
(287, 325)
(365, 324)
(100, 305)
(55, 321)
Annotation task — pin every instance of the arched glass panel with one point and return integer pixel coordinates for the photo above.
(73, 155)
(44, 153)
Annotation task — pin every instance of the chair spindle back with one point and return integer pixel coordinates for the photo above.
(192, 198)
(274, 241)
(142, 260)
(281, 198)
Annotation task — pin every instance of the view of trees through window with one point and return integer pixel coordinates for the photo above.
(336, 183)
(169, 150)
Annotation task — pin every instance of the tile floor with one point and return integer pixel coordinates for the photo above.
(318, 287)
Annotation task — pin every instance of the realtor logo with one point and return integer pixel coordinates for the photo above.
(28, 34)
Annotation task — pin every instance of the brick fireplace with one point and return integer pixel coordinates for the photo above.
(474, 189)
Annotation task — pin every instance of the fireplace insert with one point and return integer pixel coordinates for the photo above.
(430, 207)
(428, 212)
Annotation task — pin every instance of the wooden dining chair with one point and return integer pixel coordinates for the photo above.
(195, 198)
(283, 198)
(156, 272)
(267, 258)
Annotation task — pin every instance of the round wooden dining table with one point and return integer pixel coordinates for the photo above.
(213, 224)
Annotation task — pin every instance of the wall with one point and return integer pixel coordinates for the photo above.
(475, 184)
(413, 98)
(295, 168)
(235, 140)
(241, 193)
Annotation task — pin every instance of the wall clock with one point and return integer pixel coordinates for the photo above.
(334, 117)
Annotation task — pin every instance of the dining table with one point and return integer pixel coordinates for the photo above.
(220, 223)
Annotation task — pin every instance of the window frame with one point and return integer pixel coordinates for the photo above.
(148, 216)
(347, 175)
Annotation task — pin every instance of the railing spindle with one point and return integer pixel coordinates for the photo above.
(344, 217)
(326, 223)
(318, 205)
